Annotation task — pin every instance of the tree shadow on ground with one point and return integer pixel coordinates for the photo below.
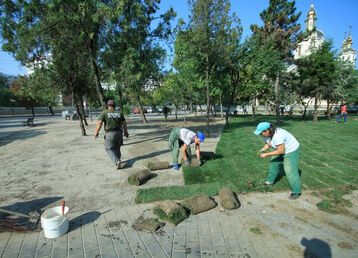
(31, 206)
(8, 137)
(130, 162)
(157, 139)
(84, 219)
(316, 248)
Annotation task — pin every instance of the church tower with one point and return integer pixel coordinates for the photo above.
(311, 19)
(314, 37)
(348, 54)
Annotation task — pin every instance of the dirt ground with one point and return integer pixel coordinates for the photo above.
(53, 159)
(43, 164)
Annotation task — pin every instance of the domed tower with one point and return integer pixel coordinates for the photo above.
(348, 54)
(311, 19)
(314, 38)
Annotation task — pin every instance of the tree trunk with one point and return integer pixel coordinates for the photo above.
(221, 107)
(328, 111)
(51, 110)
(120, 94)
(315, 113)
(82, 109)
(176, 112)
(82, 126)
(277, 98)
(144, 119)
(207, 95)
(33, 111)
(99, 88)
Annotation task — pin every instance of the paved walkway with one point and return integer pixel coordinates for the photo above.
(51, 161)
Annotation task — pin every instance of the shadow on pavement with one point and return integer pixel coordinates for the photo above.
(30, 206)
(316, 248)
(130, 162)
(8, 137)
(84, 219)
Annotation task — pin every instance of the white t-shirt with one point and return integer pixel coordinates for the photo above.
(281, 136)
(186, 136)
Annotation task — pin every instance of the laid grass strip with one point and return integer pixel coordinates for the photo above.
(328, 158)
(333, 201)
(176, 192)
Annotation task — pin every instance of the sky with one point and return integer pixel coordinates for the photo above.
(333, 18)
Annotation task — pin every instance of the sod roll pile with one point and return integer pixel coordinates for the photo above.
(139, 177)
(148, 225)
(199, 204)
(170, 211)
(228, 199)
(157, 165)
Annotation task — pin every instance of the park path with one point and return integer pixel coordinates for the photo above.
(51, 161)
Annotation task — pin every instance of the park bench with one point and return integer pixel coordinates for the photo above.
(29, 121)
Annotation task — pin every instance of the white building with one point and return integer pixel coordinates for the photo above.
(348, 54)
(314, 37)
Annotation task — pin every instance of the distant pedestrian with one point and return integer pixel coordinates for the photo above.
(180, 140)
(244, 110)
(285, 155)
(343, 113)
(114, 125)
(165, 112)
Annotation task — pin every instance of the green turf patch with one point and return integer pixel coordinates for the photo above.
(333, 201)
(256, 230)
(175, 217)
(328, 158)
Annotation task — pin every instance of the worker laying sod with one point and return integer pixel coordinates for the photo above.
(238, 166)
(284, 156)
(180, 140)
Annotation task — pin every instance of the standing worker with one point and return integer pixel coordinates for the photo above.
(114, 126)
(343, 113)
(180, 140)
(286, 153)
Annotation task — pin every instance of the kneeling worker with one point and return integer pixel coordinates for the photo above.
(180, 139)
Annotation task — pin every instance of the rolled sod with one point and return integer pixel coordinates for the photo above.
(199, 204)
(228, 199)
(148, 225)
(157, 165)
(139, 177)
(193, 163)
(170, 211)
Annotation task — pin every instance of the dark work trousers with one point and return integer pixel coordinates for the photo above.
(113, 141)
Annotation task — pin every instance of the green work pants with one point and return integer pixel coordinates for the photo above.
(175, 143)
(288, 164)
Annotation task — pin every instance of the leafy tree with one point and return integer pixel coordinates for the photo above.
(202, 48)
(7, 98)
(346, 83)
(318, 73)
(133, 50)
(281, 31)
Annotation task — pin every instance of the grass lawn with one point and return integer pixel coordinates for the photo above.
(328, 158)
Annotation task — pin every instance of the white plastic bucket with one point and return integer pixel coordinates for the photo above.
(54, 223)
